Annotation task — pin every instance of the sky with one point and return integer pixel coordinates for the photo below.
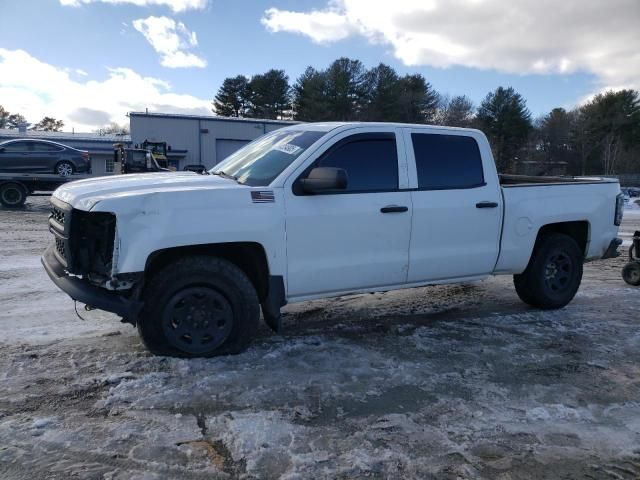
(89, 62)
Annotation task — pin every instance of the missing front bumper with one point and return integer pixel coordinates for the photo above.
(86, 293)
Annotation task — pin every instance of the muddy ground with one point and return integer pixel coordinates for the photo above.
(449, 382)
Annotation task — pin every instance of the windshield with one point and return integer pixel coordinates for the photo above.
(261, 161)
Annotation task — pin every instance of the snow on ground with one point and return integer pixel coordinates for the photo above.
(632, 215)
(447, 382)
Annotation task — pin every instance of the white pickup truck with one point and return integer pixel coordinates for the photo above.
(319, 210)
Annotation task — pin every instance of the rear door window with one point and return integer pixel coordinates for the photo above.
(447, 161)
(45, 147)
(370, 160)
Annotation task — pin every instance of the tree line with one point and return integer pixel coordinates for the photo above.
(601, 136)
(15, 120)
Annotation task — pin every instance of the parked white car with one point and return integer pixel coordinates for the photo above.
(320, 210)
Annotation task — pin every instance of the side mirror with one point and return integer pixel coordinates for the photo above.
(323, 179)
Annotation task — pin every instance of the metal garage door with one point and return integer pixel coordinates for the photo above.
(225, 147)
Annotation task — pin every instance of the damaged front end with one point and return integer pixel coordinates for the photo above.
(82, 259)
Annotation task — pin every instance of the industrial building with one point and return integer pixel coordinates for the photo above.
(99, 146)
(192, 140)
(202, 140)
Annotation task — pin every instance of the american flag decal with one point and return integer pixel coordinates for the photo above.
(262, 196)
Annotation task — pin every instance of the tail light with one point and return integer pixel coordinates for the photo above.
(85, 155)
(617, 220)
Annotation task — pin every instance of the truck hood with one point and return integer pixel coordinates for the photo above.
(85, 194)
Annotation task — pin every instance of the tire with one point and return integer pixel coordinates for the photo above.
(631, 273)
(554, 273)
(199, 306)
(64, 168)
(12, 195)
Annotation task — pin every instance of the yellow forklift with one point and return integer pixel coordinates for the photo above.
(159, 152)
(136, 160)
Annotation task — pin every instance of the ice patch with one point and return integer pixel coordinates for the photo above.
(42, 422)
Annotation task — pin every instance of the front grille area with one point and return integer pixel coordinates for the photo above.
(59, 226)
(83, 240)
(60, 248)
(57, 215)
(92, 239)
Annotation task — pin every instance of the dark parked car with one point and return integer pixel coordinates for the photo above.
(42, 156)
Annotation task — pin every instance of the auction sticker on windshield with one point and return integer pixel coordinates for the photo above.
(289, 148)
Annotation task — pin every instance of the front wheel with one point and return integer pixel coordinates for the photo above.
(554, 273)
(199, 306)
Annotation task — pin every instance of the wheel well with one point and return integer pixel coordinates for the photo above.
(250, 257)
(16, 184)
(578, 230)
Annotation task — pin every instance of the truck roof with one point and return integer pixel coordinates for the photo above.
(328, 126)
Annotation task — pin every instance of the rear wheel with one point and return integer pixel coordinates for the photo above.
(199, 306)
(554, 273)
(64, 168)
(12, 195)
(631, 273)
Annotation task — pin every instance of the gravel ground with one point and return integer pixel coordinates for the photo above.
(448, 382)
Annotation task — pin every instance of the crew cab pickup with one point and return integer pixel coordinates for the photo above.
(320, 210)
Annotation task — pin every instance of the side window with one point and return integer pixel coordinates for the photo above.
(370, 160)
(447, 161)
(17, 147)
(45, 147)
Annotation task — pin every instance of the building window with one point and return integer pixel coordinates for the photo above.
(108, 165)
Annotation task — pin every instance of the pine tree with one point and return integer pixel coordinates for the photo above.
(458, 112)
(309, 97)
(232, 99)
(611, 124)
(418, 100)
(345, 89)
(382, 95)
(270, 95)
(4, 117)
(505, 119)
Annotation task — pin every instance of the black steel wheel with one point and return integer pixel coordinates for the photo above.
(198, 306)
(197, 319)
(631, 273)
(558, 271)
(554, 273)
(12, 195)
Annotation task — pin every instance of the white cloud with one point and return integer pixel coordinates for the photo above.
(522, 37)
(35, 89)
(321, 26)
(175, 5)
(170, 39)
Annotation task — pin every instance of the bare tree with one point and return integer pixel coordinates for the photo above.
(49, 124)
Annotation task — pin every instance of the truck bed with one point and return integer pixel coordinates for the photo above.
(508, 180)
(587, 203)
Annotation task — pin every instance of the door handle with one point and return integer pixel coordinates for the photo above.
(486, 204)
(393, 209)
